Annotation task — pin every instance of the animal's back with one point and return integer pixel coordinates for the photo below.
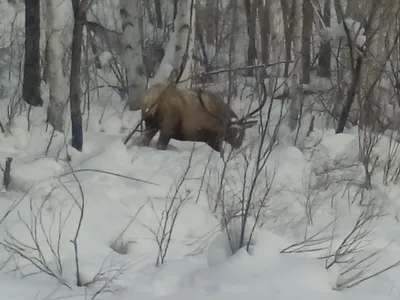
(212, 103)
(161, 97)
(205, 112)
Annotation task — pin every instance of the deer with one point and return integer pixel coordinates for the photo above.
(191, 115)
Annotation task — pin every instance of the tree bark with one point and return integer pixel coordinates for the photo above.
(188, 64)
(79, 8)
(288, 16)
(265, 31)
(296, 88)
(308, 15)
(324, 60)
(250, 9)
(57, 82)
(132, 52)
(32, 76)
(159, 17)
(178, 42)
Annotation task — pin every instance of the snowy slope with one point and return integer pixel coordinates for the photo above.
(125, 214)
(122, 201)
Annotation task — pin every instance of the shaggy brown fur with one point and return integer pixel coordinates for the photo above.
(189, 115)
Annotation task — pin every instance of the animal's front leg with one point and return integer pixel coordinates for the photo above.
(216, 144)
(150, 132)
(166, 132)
(148, 136)
(163, 140)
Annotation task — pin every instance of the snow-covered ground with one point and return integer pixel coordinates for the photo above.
(309, 189)
(144, 221)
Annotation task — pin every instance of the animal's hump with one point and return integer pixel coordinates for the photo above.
(214, 103)
(151, 97)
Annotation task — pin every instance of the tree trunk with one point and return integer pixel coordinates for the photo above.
(159, 17)
(210, 20)
(177, 43)
(57, 82)
(308, 16)
(188, 64)
(132, 52)
(250, 9)
(79, 8)
(265, 31)
(324, 60)
(296, 90)
(32, 76)
(276, 44)
(351, 94)
(287, 12)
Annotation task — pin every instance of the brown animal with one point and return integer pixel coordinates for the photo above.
(190, 115)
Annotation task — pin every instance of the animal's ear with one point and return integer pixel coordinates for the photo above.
(249, 124)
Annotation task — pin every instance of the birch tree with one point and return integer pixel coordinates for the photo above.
(57, 82)
(32, 78)
(187, 60)
(178, 42)
(275, 22)
(132, 52)
(296, 88)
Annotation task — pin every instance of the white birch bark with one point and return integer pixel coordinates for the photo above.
(58, 88)
(185, 80)
(177, 43)
(296, 88)
(132, 52)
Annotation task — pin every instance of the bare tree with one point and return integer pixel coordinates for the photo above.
(79, 8)
(324, 60)
(288, 8)
(132, 52)
(308, 14)
(159, 17)
(32, 76)
(251, 13)
(178, 41)
(188, 62)
(265, 31)
(54, 49)
(296, 89)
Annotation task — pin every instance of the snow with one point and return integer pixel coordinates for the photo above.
(130, 202)
(125, 215)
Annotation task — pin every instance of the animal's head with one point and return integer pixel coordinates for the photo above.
(236, 130)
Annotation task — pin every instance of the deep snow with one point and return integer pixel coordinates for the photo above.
(117, 240)
(124, 214)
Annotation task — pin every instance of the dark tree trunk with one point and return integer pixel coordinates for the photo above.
(32, 75)
(265, 31)
(308, 14)
(351, 94)
(159, 18)
(45, 74)
(250, 8)
(324, 62)
(75, 88)
(288, 10)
